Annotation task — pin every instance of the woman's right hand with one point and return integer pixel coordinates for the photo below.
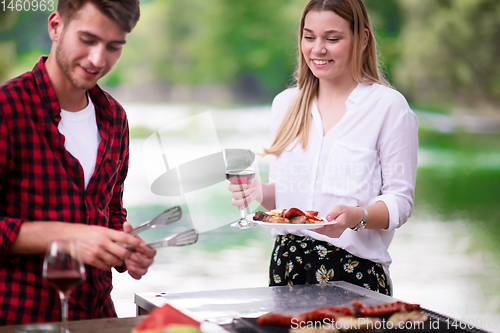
(244, 194)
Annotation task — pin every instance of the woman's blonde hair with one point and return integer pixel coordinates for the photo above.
(365, 69)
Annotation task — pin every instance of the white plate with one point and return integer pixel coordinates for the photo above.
(290, 226)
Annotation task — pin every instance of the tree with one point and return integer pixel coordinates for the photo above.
(385, 17)
(23, 39)
(247, 44)
(450, 52)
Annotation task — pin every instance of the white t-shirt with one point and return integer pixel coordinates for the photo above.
(82, 137)
(370, 155)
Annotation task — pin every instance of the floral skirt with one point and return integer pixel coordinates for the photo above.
(305, 260)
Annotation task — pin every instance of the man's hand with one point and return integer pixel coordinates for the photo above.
(101, 247)
(138, 263)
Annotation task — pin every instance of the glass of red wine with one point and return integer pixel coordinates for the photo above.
(63, 269)
(240, 170)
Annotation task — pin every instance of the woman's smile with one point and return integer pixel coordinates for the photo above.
(321, 63)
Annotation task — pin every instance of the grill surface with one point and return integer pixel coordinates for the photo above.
(236, 310)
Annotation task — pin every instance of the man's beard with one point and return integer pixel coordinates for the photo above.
(65, 65)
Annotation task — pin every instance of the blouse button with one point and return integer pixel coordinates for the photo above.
(307, 267)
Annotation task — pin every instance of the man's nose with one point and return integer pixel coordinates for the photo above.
(97, 56)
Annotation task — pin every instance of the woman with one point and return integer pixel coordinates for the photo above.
(346, 146)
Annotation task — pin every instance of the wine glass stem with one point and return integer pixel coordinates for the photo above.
(64, 310)
(242, 212)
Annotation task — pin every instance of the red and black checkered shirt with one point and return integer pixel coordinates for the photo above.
(41, 181)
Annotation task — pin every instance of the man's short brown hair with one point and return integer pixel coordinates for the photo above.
(125, 12)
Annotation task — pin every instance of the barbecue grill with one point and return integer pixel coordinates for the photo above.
(236, 310)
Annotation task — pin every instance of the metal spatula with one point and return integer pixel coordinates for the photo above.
(169, 216)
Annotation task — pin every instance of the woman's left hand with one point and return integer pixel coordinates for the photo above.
(345, 216)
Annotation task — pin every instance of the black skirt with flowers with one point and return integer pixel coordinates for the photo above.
(305, 260)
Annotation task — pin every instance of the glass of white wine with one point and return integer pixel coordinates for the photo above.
(240, 170)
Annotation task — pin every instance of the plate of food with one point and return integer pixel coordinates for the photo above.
(290, 219)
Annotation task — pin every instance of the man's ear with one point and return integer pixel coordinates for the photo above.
(55, 26)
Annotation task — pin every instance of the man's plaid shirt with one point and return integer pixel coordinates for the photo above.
(41, 181)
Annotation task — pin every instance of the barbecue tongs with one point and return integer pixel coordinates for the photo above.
(169, 216)
(184, 238)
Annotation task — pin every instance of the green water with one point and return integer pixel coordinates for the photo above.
(213, 241)
(460, 180)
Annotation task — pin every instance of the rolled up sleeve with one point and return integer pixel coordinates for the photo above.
(9, 229)
(398, 158)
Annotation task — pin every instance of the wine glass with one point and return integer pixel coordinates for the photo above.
(240, 169)
(63, 269)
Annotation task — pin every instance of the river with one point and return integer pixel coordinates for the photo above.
(435, 263)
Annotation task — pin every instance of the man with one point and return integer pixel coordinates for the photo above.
(63, 162)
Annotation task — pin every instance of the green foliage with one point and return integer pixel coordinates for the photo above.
(28, 29)
(8, 52)
(194, 42)
(23, 39)
(23, 63)
(7, 19)
(438, 53)
(112, 79)
(257, 38)
(450, 52)
(385, 17)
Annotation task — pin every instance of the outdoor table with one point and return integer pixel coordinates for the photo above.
(106, 325)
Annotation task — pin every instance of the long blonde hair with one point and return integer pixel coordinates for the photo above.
(365, 68)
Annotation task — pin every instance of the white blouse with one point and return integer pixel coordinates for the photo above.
(370, 155)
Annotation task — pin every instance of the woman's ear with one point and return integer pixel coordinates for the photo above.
(55, 26)
(367, 37)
